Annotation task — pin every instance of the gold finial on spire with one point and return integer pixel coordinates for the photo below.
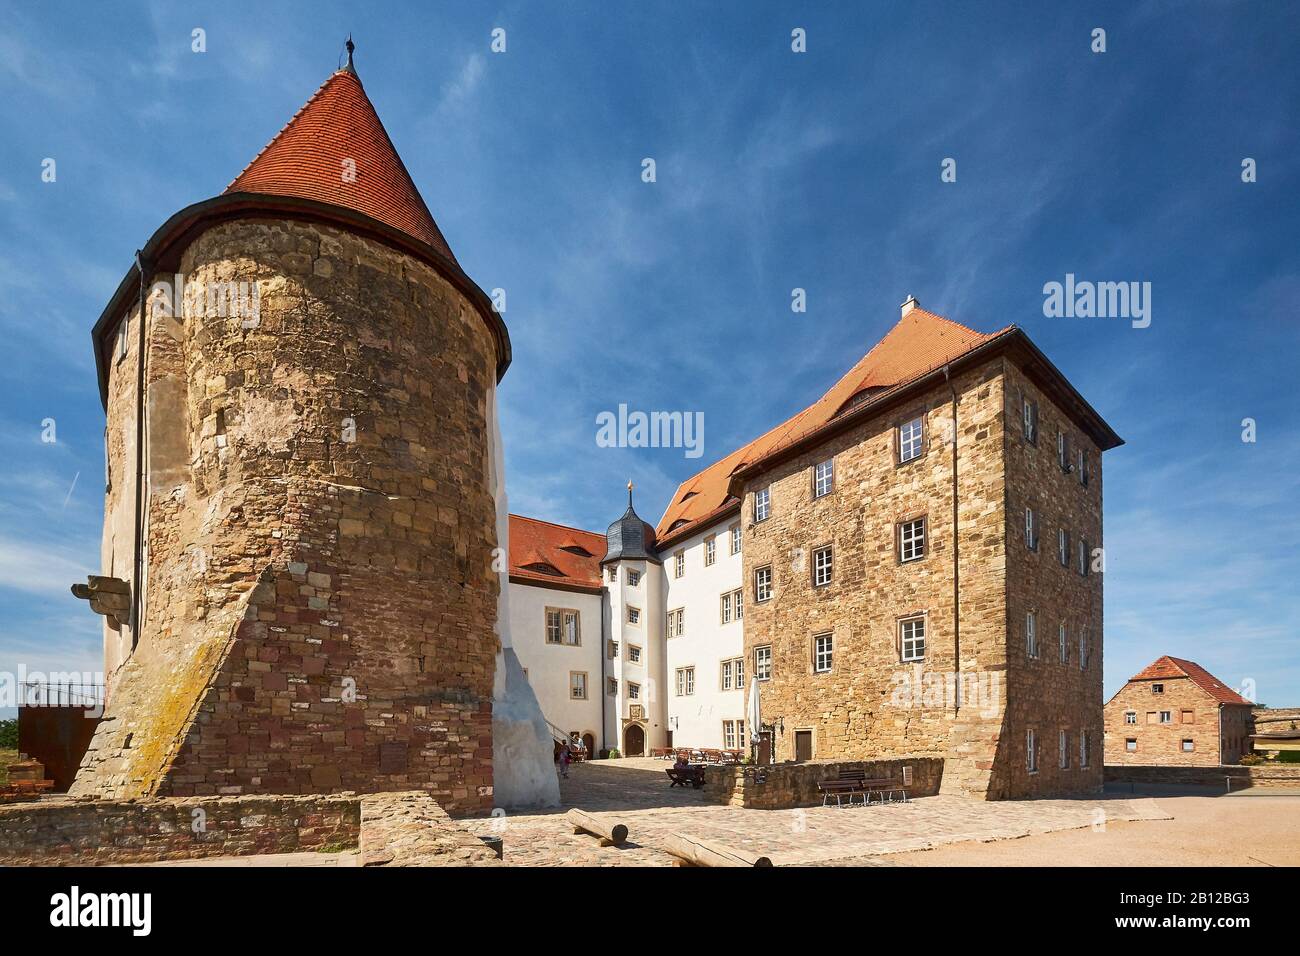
(629, 492)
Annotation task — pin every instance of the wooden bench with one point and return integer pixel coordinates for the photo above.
(661, 753)
(680, 778)
(855, 782)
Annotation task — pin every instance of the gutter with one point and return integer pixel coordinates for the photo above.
(956, 565)
(137, 572)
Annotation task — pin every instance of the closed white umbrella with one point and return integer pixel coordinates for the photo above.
(755, 712)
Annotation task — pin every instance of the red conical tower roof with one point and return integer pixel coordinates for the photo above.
(313, 157)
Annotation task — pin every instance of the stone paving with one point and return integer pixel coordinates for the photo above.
(636, 792)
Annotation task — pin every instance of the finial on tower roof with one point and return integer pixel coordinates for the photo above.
(350, 47)
(629, 493)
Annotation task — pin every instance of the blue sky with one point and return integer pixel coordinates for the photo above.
(775, 170)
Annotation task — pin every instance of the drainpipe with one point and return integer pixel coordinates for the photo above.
(956, 568)
(137, 573)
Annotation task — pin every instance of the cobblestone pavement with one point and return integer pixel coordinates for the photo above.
(636, 792)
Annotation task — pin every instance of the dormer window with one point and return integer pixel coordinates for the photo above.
(540, 567)
(576, 549)
(677, 524)
(688, 496)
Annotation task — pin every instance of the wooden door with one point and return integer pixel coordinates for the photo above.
(803, 745)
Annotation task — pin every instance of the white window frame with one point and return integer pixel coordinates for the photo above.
(1029, 418)
(823, 478)
(634, 653)
(738, 602)
(1188, 745)
(763, 587)
(1063, 744)
(679, 563)
(1083, 649)
(575, 686)
(762, 504)
(1131, 717)
(911, 439)
(823, 566)
(1130, 745)
(1031, 529)
(1031, 751)
(911, 638)
(1031, 634)
(823, 652)
(736, 538)
(633, 690)
(710, 550)
(633, 615)
(1165, 716)
(1063, 636)
(911, 540)
(763, 661)
(633, 578)
(1085, 748)
(677, 622)
(724, 610)
(1063, 546)
(1083, 557)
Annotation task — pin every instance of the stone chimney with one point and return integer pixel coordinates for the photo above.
(908, 305)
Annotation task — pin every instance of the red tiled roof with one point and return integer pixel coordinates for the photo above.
(307, 158)
(919, 343)
(1166, 668)
(540, 542)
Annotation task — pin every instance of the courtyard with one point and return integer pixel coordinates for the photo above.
(1114, 829)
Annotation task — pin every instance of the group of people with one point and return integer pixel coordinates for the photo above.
(564, 755)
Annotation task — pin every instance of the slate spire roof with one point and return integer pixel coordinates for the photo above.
(336, 150)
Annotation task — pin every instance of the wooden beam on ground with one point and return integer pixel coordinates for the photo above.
(610, 834)
(694, 852)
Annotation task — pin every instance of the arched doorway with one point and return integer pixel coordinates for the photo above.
(634, 741)
(589, 741)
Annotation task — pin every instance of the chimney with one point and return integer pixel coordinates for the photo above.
(909, 304)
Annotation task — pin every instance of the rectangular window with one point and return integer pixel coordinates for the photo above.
(611, 573)
(911, 540)
(1064, 747)
(123, 338)
(1188, 717)
(763, 662)
(737, 597)
(1064, 635)
(633, 691)
(1131, 744)
(1031, 751)
(909, 440)
(1085, 748)
(612, 650)
(740, 734)
(634, 654)
(1063, 547)
(1166, 717)
(578, 685)
(823, 478)
(685, 681)
(763, 584)
(1083, 468)
(726, 608)
(1130, 717)
(822, 565)
(563, 627)
(710, 550)
(762, 503)
(1031, 634)
(1083, 557)
(726, 675)
(1031, 529)
(1083, 649)
(679, 563)
(911, 639)
(729, 734)
(1157, 688)
(633, 578)
(611, 687)
(735, 539)
(677, 622)
(1188, 746)
(1029, 414)
(633, 615)
(823, 650)
(740, 673)
(1063, 452)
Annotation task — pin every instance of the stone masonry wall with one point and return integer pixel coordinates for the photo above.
(320, 597)
(788, 785)
(1193, 715)
(870, 704)
(1051, 693)
(1221, 777)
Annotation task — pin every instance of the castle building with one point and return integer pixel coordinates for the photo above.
(305, 494)
(911, 565)
(1176, 713)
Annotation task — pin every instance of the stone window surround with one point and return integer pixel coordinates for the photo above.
(1031, 750)
(771, 584)
(611, 687)
(710, 550)
(1063, 636)
(762, 496)
(574, 686)
(923, 538)
(829, 551)
(735, 534)
(1031, 529)
(684, 681)
(676, 622)
(1130, 744)
(824, 651)
(633, 690)
(1189, 745)
(611, 649)
(818, 475)
(560, 612)
(634, 653)
(633, 615)
(679, 563)
(731, 672)
(758, 669)
(924, 618)
(1029, 422)
(633, 578)
(1157, 688)
(915, 415)
(733, 734)
(1031, 634)
(1063, 744)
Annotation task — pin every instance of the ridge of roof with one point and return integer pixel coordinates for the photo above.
(1168, 666)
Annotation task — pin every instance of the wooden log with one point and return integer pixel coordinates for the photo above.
(610, 834)
(693, 852)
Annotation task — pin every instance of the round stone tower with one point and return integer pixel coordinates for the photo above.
(301, 488)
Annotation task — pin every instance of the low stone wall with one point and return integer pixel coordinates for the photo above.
(92, 832)
(391, 829)
(410, 829)
(785, 785)
(1241, 776)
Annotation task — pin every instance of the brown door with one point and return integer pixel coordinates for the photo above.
(803, 745)
(670, 740)
(589, 741)
(633, 741)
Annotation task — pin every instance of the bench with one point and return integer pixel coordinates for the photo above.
(680, 778)
(661, 753)
(854, 782)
